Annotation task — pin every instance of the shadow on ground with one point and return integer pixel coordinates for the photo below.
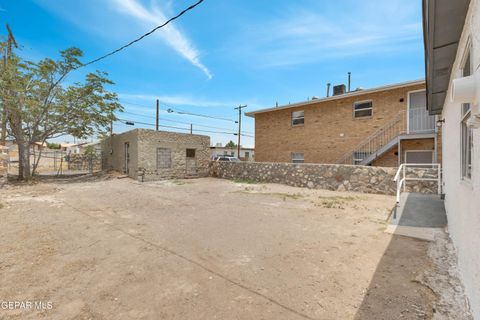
(396, 290)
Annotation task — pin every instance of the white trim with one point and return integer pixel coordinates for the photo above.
(467, 49)
(360, 102)
(406, 151)
(292, 118)
(339, 97)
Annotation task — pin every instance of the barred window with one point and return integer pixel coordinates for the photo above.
(298, 157)
(164, 158)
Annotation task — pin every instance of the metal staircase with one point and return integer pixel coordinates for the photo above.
(377, 143)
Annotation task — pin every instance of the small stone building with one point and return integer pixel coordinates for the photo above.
(148, 155)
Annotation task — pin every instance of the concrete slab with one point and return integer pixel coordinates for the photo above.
(418, 216)
(420, 210)
(427, 234)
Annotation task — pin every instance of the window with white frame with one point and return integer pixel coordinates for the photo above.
(297, 157)
(298, 118)
(466, 136)
(362, 109)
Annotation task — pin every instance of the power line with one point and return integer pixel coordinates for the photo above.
(182, 122)
(141, 37)
(170, 110)
(127, 122)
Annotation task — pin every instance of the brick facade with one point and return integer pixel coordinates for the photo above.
(330, 129)
(155, 155)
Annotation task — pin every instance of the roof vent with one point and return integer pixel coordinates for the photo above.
(315, 98)
(339, 90)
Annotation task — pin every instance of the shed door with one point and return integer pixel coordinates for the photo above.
(127, 158)
(419, 156)
(191, 162)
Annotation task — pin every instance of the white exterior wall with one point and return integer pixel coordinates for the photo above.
(463, 197)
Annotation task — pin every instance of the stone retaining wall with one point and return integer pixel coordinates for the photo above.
(324, 176)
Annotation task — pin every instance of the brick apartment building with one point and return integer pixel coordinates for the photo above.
(382, 126)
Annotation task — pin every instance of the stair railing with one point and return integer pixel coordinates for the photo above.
(401, 177)
(378, 139)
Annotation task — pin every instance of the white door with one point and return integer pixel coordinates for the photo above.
(418, 118)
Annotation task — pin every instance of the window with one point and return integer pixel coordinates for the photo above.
(247, 154)
(190, 153)
(466, 71)
(297, 157)
(467, 147)
(362, 109)
(298, 118)
(164, 158)
(467, 132)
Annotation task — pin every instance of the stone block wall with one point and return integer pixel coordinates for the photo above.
(149, 150)
(324, 176)
(154, 146)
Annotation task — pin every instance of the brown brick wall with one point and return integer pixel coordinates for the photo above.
(390, 158)
(330, 130)
(421, 144)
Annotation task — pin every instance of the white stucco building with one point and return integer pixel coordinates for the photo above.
(452, 43)
(246, 154)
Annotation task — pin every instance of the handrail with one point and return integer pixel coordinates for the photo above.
(402, 169)
(378, 139)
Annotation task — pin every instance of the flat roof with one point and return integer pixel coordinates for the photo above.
(235, 148)
(341, 96)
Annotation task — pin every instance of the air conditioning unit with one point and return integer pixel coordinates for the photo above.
(467, 90)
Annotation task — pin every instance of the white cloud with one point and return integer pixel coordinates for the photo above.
(298, 36)
(181, 100)
(170, 34)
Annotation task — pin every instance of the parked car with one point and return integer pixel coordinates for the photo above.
(227, 158)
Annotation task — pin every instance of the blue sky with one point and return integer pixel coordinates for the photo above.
(226, 53)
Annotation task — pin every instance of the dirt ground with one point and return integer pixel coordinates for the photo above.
(205, 249)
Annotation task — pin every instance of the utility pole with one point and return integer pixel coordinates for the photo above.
(6, 58)
(158, 115)
(239, 108)
(191, 128)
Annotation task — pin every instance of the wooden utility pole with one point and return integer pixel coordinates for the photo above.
(239, 108)
(6, 59)
(191, 128)
(158, 115)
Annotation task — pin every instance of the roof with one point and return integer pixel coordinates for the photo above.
(235, 148)
(342, 96)
(443, 22)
